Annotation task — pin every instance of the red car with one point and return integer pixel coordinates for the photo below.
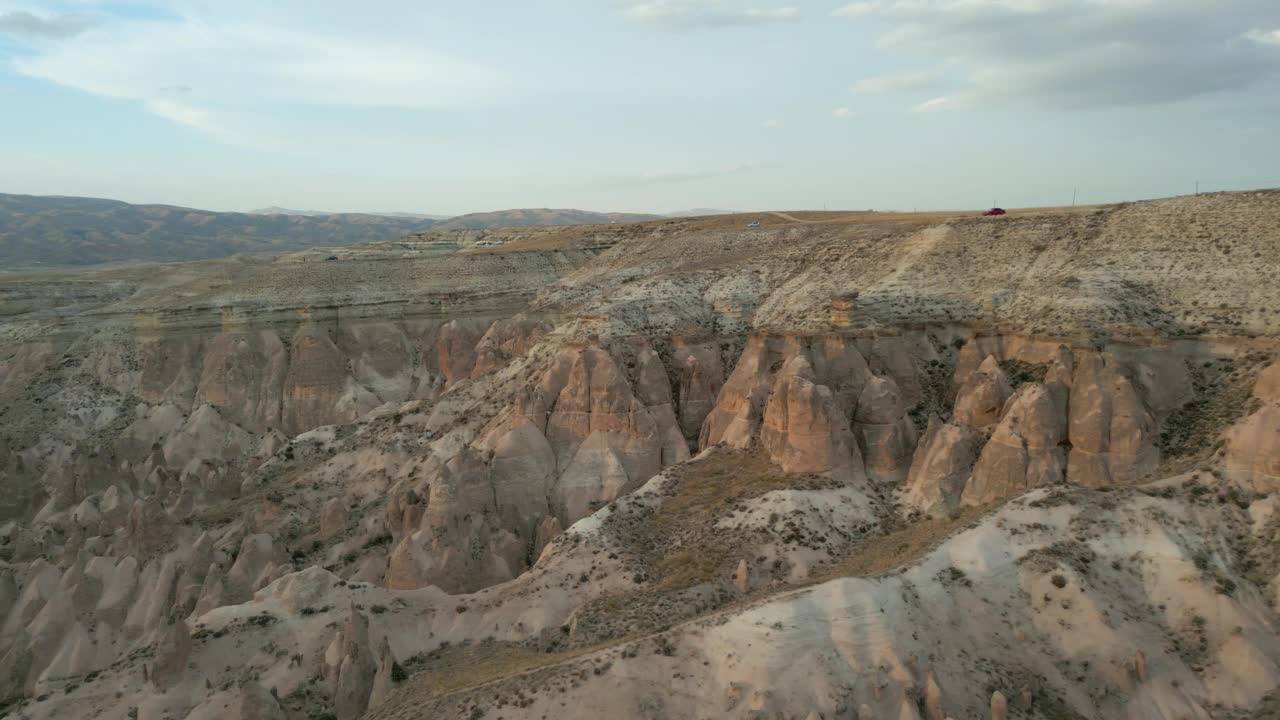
(995, 211)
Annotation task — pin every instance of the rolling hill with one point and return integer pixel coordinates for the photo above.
(540, 216)
(51, 231)
(45, 231)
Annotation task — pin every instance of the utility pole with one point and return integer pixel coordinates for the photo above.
(1197, 187)
(1074, 192)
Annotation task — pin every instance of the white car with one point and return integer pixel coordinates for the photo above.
(755, 224)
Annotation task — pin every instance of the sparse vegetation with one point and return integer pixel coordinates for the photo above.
(1020, 372)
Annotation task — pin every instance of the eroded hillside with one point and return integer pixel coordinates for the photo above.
(867, 466)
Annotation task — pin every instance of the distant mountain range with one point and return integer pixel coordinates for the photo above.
(698, 212)
(41, 231)
(561, 217)
(275, 210)
(541, 216)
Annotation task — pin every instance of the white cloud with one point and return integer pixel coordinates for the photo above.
(843, 113)
(936, 104)
(1079, 53)
(699, 14)
(1264, 38)
(857, 9)
(210, 75)
(897, 82)
(53, 27)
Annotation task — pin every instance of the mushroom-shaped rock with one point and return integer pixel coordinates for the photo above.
(114, 505)
(333, 518)
(1024, 452)
(522, 470)
(933, 698)
(355, 668)
(206, 435)
(1267, 388)
(1112, 433)
(1253, 450)
(255, 563)
(803, 430)
(243, 376)
(742, 577)
(941, 466)
(549, 529)
(739, 408)
(701, 375)
(383, 677)
(982, 397)
(999, 706)
(171, 655)
(212, 591)
(886, 436)
(1025, 697)
(149, 526)
(256, 703)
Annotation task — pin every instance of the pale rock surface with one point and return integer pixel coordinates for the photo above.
(171, 656)
(885, 433)
(383, 683)
(243, 376)
(169, 369)
(352, 667)
(256, 703)
(318, 389)
(456, 350)
(941, 467)
(742, 577)
(381, 358)
(1253, 444)
(982, 397)
(803, 430)
(155, 511)
(999, 706)
(1025, 450)
(206, 436)
(735, 419)
(1111, 430)
(701, 375)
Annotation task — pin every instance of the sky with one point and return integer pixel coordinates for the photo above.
(637, 105)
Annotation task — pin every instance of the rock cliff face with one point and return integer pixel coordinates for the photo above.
(300, 488)
(1253, 444)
